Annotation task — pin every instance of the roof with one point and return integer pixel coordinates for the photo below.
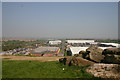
(79, 41)
(113, 44)
(76, 50)
(55, 42)
(104, 47)
(43, 49)
(93, 42)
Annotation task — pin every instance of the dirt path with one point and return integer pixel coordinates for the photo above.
(30, 58)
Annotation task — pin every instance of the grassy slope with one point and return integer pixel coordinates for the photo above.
(35, 69)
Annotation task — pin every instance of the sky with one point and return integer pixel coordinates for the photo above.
(0, 20)
(60, 20)
(60, 0)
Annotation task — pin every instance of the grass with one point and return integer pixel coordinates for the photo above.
(6, 58)
(36, 69)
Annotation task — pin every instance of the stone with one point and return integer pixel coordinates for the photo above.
(82, 52)
(68, 61)
(105, 70)
(112, 51)
(78, 55)
(95, 54)
(112, 55)
(62, 60)
(81, 61)
(76, 61)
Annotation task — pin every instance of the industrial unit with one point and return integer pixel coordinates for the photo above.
(55, 42)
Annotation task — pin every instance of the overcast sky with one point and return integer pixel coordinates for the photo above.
(60, 20)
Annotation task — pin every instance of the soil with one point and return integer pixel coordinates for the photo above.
(42, 59)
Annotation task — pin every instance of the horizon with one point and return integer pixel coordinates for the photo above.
(16, 38)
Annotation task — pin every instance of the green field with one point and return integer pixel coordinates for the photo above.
(36, 69)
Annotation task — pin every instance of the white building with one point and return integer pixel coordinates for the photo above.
(76, 50)
(79, 41)
(111, 44)
(93, 43)
(55, 42)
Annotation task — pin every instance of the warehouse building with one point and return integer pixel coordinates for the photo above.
(82, 43)
(55, 42)
(79, 41)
